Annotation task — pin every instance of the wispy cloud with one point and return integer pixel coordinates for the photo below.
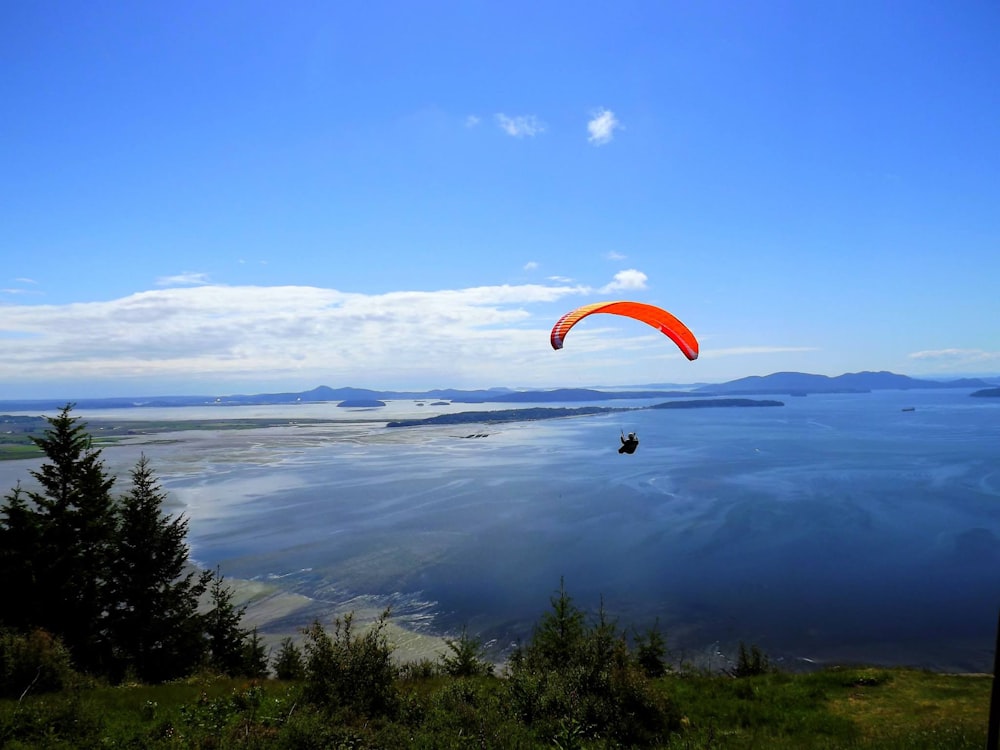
(953, 358)
(531, 265)
(954, 354)
(472, 121)
(20, 290)
(561, 279)
(624, 280)
(187, 278)
(602, 127)
(520, 125)
(615, 255)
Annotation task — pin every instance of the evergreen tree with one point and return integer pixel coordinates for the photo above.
(651, 652)
(226, 648)
(76, 517)
(467, 657)
(255, 655)
(19, 547)
(559, 636)
(289, 664)
(155, 625)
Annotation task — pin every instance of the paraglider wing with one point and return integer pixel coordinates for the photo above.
(655, 316)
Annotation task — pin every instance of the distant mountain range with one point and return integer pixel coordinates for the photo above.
(783, 383)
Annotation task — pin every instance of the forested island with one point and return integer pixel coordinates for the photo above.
(987, 393)
(536, 413)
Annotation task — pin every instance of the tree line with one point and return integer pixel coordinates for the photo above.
(109, 576)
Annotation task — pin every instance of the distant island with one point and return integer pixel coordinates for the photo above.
(703, 403)
(787, 383)
(538, 412)
(361, 402)
(988, 393)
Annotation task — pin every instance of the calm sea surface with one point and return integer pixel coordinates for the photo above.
(834, 528)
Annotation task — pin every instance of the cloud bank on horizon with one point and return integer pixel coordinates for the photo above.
(197, 337)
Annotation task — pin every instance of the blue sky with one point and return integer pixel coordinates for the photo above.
(232, 197)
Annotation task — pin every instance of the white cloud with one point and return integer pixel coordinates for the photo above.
(521, 125)
(602, 127)
(471, 121)
(962, 355)
(221, 333)
(627, 279)
(531, 265)
(20, 290)
(615, 255)
(561, 279)
(187, 278)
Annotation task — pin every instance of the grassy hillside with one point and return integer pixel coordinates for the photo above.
(834, 708)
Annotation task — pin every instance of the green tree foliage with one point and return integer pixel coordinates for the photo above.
(349, 672)
(33, 662)
(20, 546)
(226, 637)
(559, 636)
(750, 662)
(575, 679)
(288, 663)
(155, 626)
(110, 578)
(466, 657)
(254, 656)
(651, 651)
(76, 523)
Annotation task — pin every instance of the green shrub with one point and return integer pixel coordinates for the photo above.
(467, 657)
(36, 662)
(575, 679)
(288, 663)
(348, 671)
(750, 662)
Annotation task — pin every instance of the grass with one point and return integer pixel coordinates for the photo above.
(857, 708)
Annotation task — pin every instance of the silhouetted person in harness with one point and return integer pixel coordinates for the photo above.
(629, 444)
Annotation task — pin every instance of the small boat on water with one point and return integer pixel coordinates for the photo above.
(909, 408)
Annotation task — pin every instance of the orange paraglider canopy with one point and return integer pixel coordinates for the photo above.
(655, 316)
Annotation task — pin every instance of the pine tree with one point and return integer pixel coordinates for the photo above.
(559, 636)
(155, 625)
(76, 532)
(222, 626)
(19, 547)
(255, 655)
(651, 651)
(289, 664)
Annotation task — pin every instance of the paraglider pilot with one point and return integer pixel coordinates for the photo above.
(629, 444)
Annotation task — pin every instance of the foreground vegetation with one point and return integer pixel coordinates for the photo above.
(838, 708)
(109, 639)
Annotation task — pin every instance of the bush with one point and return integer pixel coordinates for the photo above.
(37, 662)
(288, 664)
(750, 662)
(574, 680)
(466, 658)
(348, 671)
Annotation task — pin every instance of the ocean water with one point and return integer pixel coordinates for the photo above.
(836, 528)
